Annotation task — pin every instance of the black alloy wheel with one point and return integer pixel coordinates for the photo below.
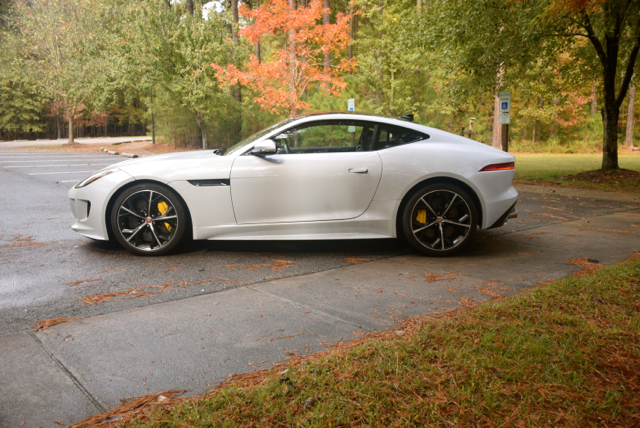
(148, 219)
(439, 219)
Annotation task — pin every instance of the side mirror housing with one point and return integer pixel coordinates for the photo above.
(263, 148)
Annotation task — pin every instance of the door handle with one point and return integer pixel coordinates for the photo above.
(363, 170)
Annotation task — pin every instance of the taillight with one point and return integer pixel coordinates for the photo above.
(499, 166)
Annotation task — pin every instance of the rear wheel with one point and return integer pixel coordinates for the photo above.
(148, 219)
(439, 219)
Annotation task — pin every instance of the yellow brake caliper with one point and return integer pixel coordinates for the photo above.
(163, 208)
(422, 216)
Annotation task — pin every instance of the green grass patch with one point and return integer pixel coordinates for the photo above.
(554, 169)
(565, 354)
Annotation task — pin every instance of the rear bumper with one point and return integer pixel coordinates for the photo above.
(508, 214)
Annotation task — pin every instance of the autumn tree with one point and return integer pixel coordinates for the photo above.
(170, 47)
(300, 42)
(484, 35)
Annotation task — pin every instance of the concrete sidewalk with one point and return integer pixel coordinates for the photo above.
(79, 368)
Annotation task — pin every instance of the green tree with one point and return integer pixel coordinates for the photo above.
(59, 45)
(166, 46)
(484, 37)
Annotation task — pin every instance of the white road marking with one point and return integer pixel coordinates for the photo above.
(56, 166)
(54, 160)
(64, 172)
(68, 181)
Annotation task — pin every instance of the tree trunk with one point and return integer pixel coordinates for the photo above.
(496, 140)
(257, 44)
(58, 125)
(594, 100)
(419, 6)
(203, 131)
(326, 18)
(153, 122)
(610, 110)
(293, 110)
(72, 110)
(352, 35)
(630, 114)
(234, 28)
(190, 7)
(533, 134)
(380, 57)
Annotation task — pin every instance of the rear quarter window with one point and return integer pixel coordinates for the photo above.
(392, 136)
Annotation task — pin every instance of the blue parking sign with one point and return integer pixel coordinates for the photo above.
(505, 106)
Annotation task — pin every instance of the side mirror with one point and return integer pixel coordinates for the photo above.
(263, 148)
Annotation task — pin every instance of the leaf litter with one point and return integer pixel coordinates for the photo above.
(277, 265)
(502, 363)
(46, 324)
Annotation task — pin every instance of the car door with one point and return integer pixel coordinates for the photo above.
(322, 171)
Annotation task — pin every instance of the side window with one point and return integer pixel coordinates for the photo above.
(326, 137)
(391, 136)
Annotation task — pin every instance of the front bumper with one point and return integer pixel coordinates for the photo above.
(89, 204)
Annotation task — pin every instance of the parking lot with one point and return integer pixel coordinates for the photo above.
(216, 308)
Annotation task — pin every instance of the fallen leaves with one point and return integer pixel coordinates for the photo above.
(105, 297)
(433, 277)
(355, 260)
(132, 407)
(595, 229)
(82, 281)
(550, 215)
(46, 324)
(19, 241)
(277, 265)
(587, 266)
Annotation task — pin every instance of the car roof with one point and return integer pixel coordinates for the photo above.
(332, 115)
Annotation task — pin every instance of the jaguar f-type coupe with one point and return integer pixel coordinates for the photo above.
(315, 176)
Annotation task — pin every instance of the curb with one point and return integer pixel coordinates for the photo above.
(111, 152)
(126, 155)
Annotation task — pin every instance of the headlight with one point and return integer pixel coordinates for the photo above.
(94, 177)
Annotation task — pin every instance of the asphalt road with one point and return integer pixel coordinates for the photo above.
(46, 268)
(41, 257)
(190, 319)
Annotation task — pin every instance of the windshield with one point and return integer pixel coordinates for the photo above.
(257, 135)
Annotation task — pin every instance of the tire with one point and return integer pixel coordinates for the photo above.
(148, 219)
(439, 219)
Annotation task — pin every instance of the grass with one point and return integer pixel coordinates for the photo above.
(565, 354)
(555, 169)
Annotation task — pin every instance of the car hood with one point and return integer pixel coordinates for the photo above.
(200, 164)
(193, 155)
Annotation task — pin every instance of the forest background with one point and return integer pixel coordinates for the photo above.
(209, 74)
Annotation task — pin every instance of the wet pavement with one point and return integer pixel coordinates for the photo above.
(215, 308)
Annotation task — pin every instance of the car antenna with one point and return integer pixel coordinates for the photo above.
(407, 117)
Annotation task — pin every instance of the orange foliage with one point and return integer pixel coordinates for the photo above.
(296, 64)
(574, 5)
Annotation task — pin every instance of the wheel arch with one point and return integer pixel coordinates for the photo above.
(433, 180)
(112, 200)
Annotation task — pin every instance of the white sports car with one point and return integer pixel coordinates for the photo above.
(315, 176)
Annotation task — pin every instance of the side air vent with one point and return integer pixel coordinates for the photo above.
(212, 182)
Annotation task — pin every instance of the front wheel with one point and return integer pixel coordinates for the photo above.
(439, 219)
(148, 219)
